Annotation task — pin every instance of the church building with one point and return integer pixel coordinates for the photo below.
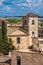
(27, 39)
(23, 37)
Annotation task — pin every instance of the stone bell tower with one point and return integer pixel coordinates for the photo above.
(30, 24)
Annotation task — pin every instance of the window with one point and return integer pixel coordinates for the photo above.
(39, 35)
(25, 22)
(18, 40)
(18, 60)
(42, 32)
(32, 21)
(33, 33)
(38, 44)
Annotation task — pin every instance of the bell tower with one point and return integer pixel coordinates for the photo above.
(30, 24)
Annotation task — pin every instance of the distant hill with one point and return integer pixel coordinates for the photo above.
(40, 16)
(10, 16)
(19, 17)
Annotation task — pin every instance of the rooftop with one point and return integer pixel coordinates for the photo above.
(4, 58)
(31, 15)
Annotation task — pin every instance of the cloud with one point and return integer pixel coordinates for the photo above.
(18, 4)
(7, 8)
(34, 3)
(15, 6)
(22, 8)
(30, 5)
(25, 4)
(37, 1)
(22, 4)
(29, 0)
(40, 1)
(1, 2)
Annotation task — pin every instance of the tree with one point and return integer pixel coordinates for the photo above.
(41, 24)
(11, 45)
(4, 32)
(5, 45)
(13, 21)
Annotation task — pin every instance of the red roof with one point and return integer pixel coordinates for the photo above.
(31, 15)
(2, 19)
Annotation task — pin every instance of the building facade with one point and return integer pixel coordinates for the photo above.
(24, 33)
(22, 36)
(27, 39)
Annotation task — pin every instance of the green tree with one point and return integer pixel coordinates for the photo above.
(5, 45)
(11, 44)
(13, 21)
(41, 24)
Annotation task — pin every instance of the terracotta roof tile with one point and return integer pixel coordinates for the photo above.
(31, 15)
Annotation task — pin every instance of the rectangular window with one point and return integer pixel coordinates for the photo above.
(25, 22)
(32, 21)
(18, 40)
(42, 32)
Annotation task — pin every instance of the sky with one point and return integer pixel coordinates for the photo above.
(20, 7)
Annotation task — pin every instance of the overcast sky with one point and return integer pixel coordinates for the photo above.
(20, 7)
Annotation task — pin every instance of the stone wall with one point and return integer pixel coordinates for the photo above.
(4, 64)
(35, 43)
(23, 45)
(27, 58)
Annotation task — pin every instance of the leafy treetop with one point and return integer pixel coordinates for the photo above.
(14, 20)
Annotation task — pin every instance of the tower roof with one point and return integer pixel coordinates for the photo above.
(31, 15)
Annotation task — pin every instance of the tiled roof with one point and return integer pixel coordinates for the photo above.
(23, 30)
(4, 58)
(2, 19)
(26, 33)
(31, 15)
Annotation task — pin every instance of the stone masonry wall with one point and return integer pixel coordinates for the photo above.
(4, 63)
(27, 58)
